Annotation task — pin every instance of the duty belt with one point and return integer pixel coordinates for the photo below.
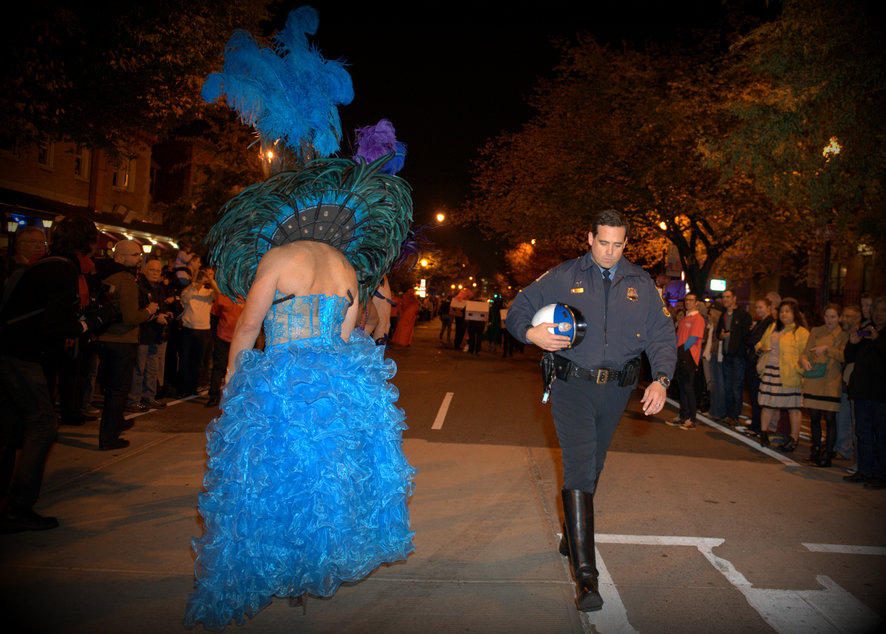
(600, 375)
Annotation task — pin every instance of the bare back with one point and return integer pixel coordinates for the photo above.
(300, 268)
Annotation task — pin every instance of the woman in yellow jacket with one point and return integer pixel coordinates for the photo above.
(781, 384)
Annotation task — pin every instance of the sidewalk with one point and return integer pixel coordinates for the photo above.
(485, 561)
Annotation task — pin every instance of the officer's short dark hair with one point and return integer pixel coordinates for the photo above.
(609, 218)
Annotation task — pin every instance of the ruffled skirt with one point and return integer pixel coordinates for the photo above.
(306, 485)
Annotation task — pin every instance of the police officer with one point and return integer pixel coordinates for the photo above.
(625, 317)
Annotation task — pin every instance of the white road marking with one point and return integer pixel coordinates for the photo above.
(831, 609)
(752, 443)
(441, 413)
(845, 550)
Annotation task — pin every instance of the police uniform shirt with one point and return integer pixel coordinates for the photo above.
(635, 320)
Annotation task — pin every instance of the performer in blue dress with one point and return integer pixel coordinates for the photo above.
(306, 485)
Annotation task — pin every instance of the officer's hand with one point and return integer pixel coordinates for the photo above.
(544, 339)
(653, 398)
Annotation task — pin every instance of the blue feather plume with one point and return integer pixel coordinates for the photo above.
(290, 93)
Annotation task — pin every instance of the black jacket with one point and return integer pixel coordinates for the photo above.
(42, 310)
(738, 332)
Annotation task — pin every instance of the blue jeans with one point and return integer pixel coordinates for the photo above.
(733, 384)
(29, 427)
(148, 368)
(718, 397)
(870, 434)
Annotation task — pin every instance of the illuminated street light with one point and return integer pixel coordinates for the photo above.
(441, 217)
(424, 262)
(662, 225)
(532, 242)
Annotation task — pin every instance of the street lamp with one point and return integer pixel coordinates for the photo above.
(441, 217)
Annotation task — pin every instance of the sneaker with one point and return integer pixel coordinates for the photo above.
(136, 408)
(674, 422)
(154, 404)
(687, 425)
(852, 470)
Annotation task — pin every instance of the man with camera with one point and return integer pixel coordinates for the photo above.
(625, 317)
(118, 344)
(196, 329)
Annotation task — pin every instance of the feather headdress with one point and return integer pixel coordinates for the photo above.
(346, 203)
(290, 93)
(374, 141)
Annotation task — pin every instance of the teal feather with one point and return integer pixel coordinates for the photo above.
(349, 204)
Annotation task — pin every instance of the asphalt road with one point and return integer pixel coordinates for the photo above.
(697, 531)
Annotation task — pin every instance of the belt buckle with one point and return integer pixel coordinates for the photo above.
(602, 375)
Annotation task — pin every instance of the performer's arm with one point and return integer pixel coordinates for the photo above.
(258, 302)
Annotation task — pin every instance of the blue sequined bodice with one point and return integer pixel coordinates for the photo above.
(305, 317)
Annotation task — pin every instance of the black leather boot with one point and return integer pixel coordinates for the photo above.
(578, 507)
(814, 454)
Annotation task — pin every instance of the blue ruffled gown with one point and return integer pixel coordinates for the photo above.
(306, 482)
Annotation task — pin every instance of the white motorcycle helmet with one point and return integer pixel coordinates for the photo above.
(570, 322)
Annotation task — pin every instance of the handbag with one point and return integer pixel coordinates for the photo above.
(761, 363)
(817, 371)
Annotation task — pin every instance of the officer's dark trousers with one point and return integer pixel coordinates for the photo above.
(585, 417)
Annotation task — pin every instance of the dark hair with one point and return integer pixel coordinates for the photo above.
(74, 234)
(609, 218)
(799, 319)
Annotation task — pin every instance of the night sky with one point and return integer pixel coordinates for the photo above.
(450, 77)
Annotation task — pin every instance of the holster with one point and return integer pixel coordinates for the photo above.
(630, 373)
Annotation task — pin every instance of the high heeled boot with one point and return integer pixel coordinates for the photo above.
(578, 507)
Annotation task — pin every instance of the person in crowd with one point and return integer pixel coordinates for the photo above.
(732, 331)
(764, 318)
(867, 350)
(409, 307)
(781, 385)
(168, 380)
(29, 245)
(224, 313)
(457, 309)
(40, 311)
(118, 344)
(713, 356)
(445, 318)
(850, 321)
(492, 334)
(186, 264)
(690, 333)
(867, 304)
(822, 364)
(593, 382)
(195, 334)
(152, 338)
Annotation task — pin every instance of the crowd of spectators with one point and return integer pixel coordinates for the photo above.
(833, 371)
(84, 336)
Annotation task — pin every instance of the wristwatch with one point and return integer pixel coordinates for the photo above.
(664, 380)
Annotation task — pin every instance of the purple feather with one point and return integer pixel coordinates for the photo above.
(375, 141)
